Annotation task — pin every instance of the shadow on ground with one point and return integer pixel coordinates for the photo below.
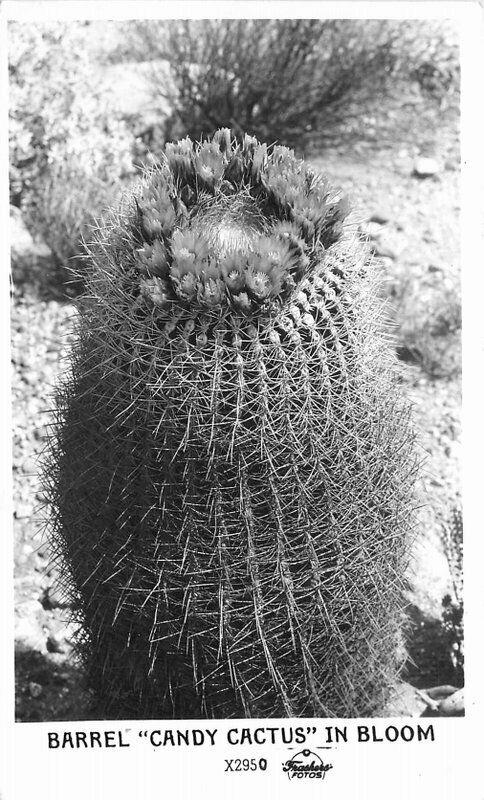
(49, 691)
(44, 279)
(429, 653)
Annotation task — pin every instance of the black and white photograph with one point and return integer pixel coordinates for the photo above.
(235, 299)
(236, 360)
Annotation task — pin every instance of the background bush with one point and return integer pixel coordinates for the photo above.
(68, 152)
(429, 327)
(74, 139)
(294, 81)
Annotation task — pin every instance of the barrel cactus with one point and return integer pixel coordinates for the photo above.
(231, 467)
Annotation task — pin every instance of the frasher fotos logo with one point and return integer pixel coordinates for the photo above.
(305, 765)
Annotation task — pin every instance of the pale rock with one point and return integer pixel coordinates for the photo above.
(452, 706)
(425, 167)
(405, 701)
(56, 643)
(30, 609)
(35, 689)
(22, 244)
(53, 596)
(29, 635)
(380, 217)
(371, 230)
(383, 250)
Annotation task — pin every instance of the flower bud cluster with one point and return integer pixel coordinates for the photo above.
(178, 262)
(238, 279)
(153, 259)
(320, 216)
(156, 208)
(156, 292)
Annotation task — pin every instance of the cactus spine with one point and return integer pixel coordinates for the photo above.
(230, 470)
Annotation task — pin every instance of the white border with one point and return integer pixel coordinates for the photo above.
(238, 9)
(449, 768)
(7, 697)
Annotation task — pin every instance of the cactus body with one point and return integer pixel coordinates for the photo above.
(230, 471)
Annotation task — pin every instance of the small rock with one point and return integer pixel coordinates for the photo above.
(23, 245)
(53, 597)
(23, 511)
(371, 230)
(453, 706)
(440, 692)
(21, 239)
(35, 689)
(379, 217)
(30, 609)
(441, 703)
(29, 466)
(425, 167)
(404, 702)
(40, 433)
(29, 635)
(382, 250)
(387, 263)
(56, 643)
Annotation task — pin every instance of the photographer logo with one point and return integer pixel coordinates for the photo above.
(306, 765)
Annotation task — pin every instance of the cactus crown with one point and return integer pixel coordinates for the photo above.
(222, 224)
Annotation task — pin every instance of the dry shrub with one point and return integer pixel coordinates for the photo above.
(68, 153)
(293, 81)
(429, 328)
